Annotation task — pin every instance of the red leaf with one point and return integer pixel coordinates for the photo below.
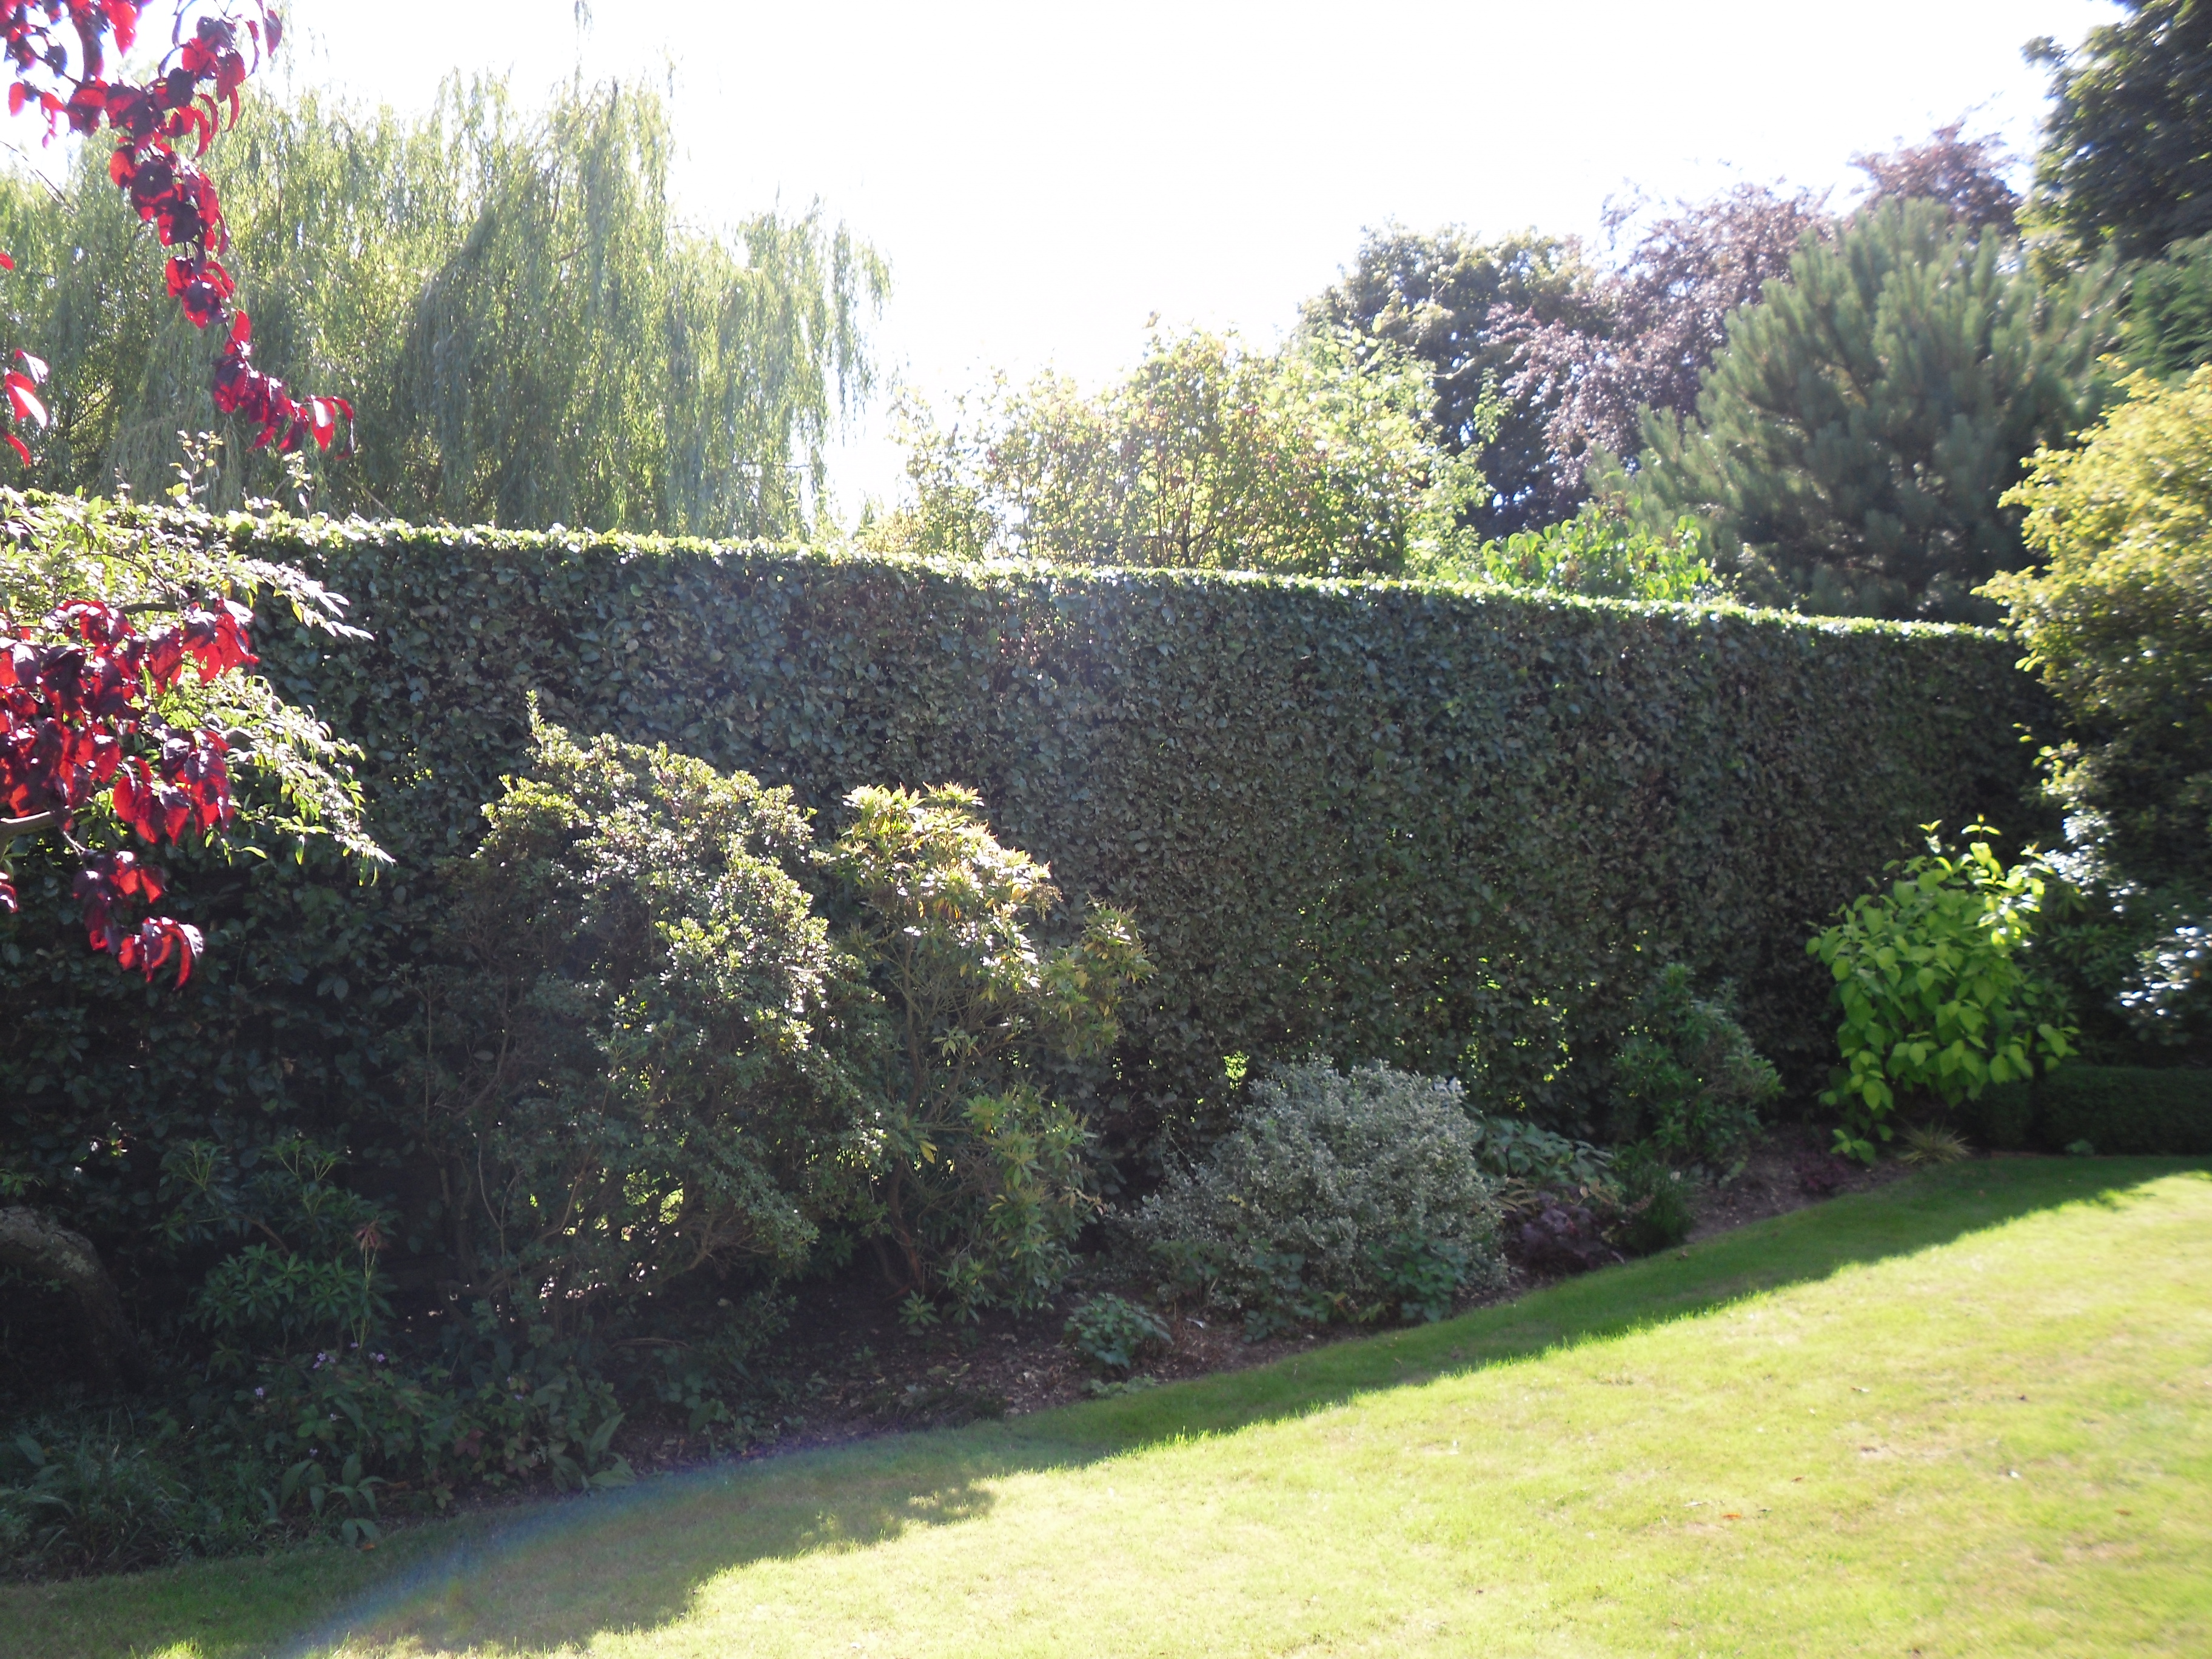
(241, 330)
(124, 17)
(20, 448)
(24, 399)
(18, 95)
(7, 261)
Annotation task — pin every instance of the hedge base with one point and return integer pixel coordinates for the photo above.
(2142, 1110)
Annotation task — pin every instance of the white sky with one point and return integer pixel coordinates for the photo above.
(1042, 178)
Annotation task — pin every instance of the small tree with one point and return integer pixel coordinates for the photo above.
(980, 1183)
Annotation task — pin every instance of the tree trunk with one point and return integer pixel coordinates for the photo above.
(32, 1241)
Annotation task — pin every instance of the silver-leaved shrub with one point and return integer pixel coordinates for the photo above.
(1352, 1195)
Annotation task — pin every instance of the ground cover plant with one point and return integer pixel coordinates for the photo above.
(1960, 1414)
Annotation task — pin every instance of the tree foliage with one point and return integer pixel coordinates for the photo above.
(1853, 444)
(1321, 459)
(2126, 163)
(1965, 175)
(105, 738)
(1659, 319)
(1601, 552)
(530, 334)
(2119, 623)
(1447, 298)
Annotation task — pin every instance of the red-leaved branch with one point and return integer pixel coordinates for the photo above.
(59, 51)
(78, 723)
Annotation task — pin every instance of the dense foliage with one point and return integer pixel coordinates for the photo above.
(1336, 1195)
(2127, 157)
(528, 332)
(2119, 623)
(631, 1064)
(1939, 994)
(1321, 458)
(1602, 552)
(1457, 304)
(1686, 1079)
(1854, 442)
(980, 1183)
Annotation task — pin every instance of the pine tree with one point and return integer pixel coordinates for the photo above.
(1854, 438)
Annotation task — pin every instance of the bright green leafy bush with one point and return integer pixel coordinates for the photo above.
(1338, 1195)
(1938, 1001)
(1686, 1077)
(2119, 623)
(1602, 552)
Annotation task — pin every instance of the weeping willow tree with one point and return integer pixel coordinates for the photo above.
(528, 334)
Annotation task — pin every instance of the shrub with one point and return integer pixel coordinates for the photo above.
(1338, 1195)
(1520, 1155)
(980, 1184)
(637, 1048)
(1687, 1077)
(1657, 1210)
(1937, 1001)
(2119, 1109)
(1114, 1333)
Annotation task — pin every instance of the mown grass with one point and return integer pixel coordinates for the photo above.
(1969, 1413)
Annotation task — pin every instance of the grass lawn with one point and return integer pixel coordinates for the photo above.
(1971, 1412)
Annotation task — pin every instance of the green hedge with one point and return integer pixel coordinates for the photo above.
(2118, 1109)
(1452, 829)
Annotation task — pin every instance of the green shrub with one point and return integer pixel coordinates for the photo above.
(1937, 1001)
(1687, 1077)
(1657, 1208)
(1338, 1195)
(2133, 1110)
(1114, 1333)
(980, 1184)
(639, 1045)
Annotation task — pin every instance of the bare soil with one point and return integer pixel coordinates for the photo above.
(848, 1368)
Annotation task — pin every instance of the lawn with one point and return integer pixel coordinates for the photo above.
(1971, 1412)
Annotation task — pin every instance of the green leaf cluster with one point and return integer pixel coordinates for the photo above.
(1938, 999)
(980, 1183)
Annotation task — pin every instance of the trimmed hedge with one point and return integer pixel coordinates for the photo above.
(2136, 1110)
(1451, 829)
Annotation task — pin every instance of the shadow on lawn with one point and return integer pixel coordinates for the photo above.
(636, 1560)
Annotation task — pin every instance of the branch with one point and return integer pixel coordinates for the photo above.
(31, 825)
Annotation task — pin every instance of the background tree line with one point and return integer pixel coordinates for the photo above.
(529, 332)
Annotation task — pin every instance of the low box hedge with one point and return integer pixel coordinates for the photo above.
(2144, 1110)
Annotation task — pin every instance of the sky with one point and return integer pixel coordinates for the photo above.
(1043, 179)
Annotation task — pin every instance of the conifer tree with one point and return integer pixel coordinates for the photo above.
(1854, 439)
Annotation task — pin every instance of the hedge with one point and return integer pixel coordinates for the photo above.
(1452, 829)
(2138, 1110)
